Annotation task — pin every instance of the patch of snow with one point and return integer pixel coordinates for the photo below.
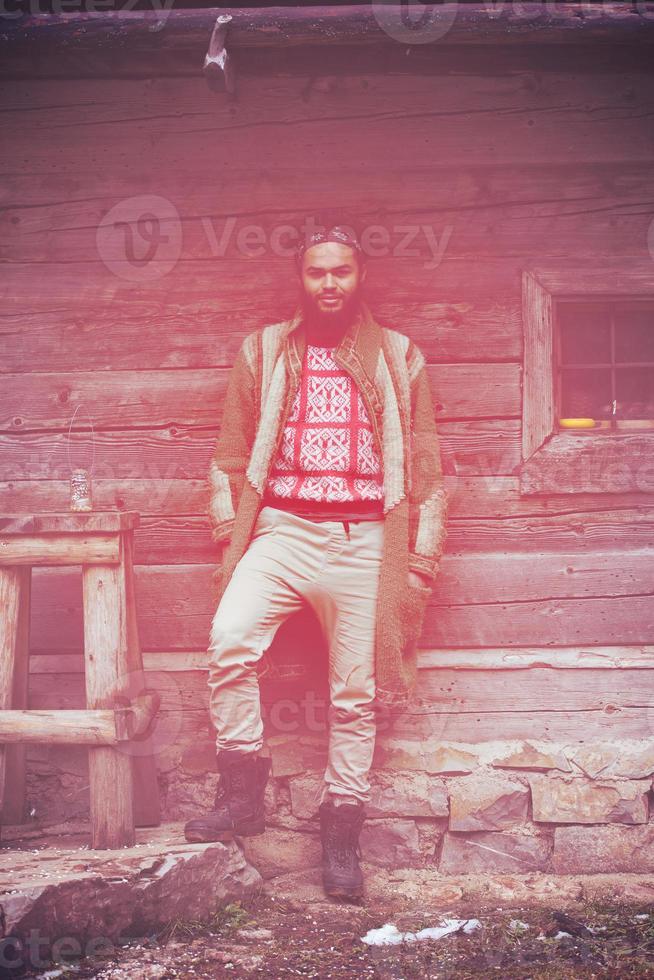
(390, 935)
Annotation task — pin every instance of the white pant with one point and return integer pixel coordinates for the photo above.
(334, 566)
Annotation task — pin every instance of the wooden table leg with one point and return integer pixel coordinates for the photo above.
(13, 810)
(105, 656)
(147, 809)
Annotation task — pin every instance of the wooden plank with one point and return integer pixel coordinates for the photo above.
(181, 728)
(105, 647)
(497, 577)
(591, 463)
(58, 549)
(514, 123)
(613, 275)
(545, 622)
(98, 521)
(251, 27)
(445, 331)
(14, 647)
(558, 658)
(538, 375)
(156, 494)
(73, 727)
(537, 702)
(487, 446)
(336, 60)
(460, 329)
(486, 509)
(441, 692)
(186, 540)
(143, 749)
(13, 808)
(485, 212)
(538, 190)
(145, 104)
(131, 41)
(80, 291)
(132, 399)
(191, 727)
(531, 599)
(546, 725)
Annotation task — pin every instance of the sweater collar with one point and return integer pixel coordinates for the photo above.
(357, 350)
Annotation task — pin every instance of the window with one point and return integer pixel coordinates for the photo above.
(604, 364)
(588, 379)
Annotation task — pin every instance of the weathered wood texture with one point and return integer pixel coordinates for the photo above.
(76, 727)
(466, 705)
(105, 645)
(481, 598)
(485, 163)
(171, 41)
(112, 667)
(15, 592)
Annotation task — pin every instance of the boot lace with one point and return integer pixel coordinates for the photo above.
(342, 839)
(230, 784)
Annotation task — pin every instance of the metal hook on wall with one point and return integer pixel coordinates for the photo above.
(218, 64)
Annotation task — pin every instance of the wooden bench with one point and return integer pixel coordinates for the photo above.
(119, 709)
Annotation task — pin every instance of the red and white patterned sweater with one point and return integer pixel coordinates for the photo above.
(327, 462)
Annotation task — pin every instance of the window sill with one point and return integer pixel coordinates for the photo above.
(591, 462)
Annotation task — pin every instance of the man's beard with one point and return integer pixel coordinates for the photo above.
(330, 323)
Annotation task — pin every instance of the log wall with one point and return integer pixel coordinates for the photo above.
(541, 625)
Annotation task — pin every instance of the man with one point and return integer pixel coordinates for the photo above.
(326, 488)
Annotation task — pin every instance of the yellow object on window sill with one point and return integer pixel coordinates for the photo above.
(577, 423)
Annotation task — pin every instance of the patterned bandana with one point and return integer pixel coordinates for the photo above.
(339, 233)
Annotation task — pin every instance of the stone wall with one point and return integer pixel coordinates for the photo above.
(496, 807)
(493, 807)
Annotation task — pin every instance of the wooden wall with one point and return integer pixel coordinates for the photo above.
(542, 618)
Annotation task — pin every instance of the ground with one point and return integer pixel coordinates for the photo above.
(280, 938)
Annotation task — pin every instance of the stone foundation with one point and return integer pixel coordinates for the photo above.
(496, 807)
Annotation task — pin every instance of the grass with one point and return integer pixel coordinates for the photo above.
(609, 941)
(224, 921)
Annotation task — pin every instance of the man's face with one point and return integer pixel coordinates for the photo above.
(331, 279)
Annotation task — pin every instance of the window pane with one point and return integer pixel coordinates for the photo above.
(634, 333)
(586, 393)
(635, 392)
(585, 333)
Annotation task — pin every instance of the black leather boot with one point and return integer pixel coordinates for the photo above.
(238, 807)
(340, 827)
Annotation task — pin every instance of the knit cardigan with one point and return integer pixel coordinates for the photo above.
(391, 374)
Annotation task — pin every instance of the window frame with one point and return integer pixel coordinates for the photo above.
(569, 461)
(613, 299)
